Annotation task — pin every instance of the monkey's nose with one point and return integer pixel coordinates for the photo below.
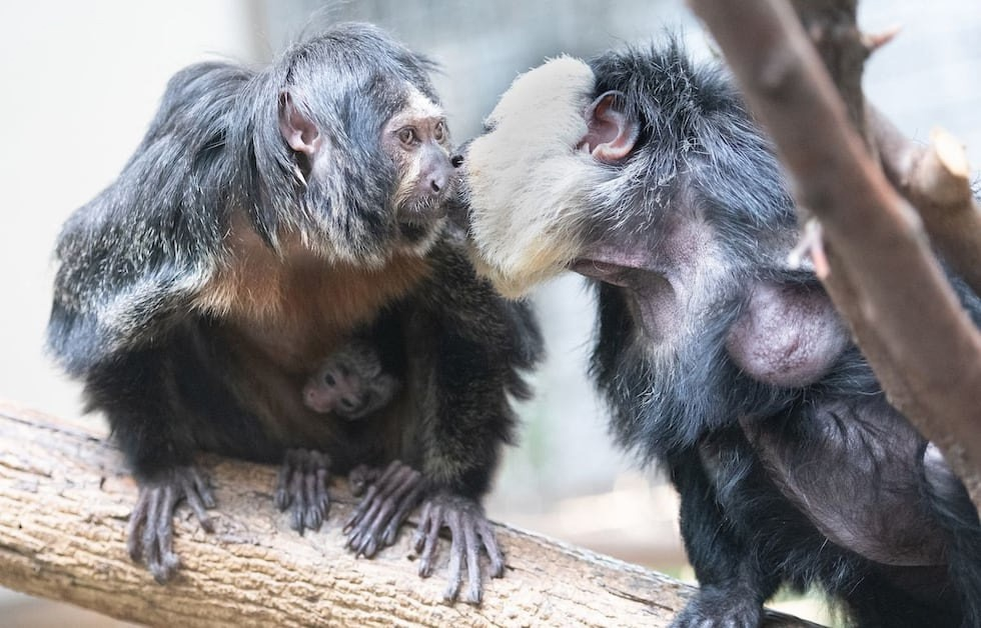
(438, 182)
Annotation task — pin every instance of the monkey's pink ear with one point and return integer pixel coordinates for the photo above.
(612, 133)
(298, 130)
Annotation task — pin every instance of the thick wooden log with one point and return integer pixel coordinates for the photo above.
(65, 497)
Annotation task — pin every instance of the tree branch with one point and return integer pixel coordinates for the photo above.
(831, 26)
(936, 180)
(65, 499)
(884, 278)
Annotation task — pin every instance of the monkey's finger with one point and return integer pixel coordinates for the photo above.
(202, 485)
(408, 503)
(168, 560)
(386, 504)
(382, 504)
(396, 482)
(432, 538)
(296, 511)
(297, 500)
(282, 497)
(457, 549)
(323, 495)
(149, 539)
(421, 530)
(134, 528)
(355, 517)
(360, 529)
(354, 539)
(389, 506)
(367, 542)
(399, 486)
(196, 503)
(368, 500)
(473, 562)
(317, 500)
(392, 468)
(368, 545)
(494, 552)
(159, 543)
(312, 518)
(369, 516)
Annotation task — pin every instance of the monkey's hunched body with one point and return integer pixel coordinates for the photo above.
(733, 370)
(265, 217)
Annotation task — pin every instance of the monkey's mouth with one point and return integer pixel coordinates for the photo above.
(418, 220)
(603, 271)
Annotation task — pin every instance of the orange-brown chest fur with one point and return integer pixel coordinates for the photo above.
(297, 307)
(282, 314)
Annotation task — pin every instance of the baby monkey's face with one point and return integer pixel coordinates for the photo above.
(350, 384)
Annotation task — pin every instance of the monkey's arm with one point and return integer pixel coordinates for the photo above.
(135, 393)
(734, 585)
(482, 344)
(467, 347)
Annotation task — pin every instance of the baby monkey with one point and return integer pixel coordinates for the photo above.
(350, 382)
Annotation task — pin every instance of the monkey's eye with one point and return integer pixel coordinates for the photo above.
(440, 131)
(329, 379)
(408, 136)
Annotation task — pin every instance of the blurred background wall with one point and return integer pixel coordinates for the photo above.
(82, 80)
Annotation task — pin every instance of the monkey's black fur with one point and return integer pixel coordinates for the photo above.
(694, 410)
(177, 371)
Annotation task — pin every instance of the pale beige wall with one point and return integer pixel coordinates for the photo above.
(79, 81)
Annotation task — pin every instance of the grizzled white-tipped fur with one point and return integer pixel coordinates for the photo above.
(526, 175)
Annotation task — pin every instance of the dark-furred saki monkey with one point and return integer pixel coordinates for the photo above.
(266, 218)
(646, 174)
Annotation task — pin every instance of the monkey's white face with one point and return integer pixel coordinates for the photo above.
(526, 177)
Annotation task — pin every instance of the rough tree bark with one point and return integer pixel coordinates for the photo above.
(936, 179)
(65, 498)
(884, 278)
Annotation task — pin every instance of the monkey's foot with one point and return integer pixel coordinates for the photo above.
(470, 531)
(150, 533)
(714, 607)
(302, 487)
(384, 507)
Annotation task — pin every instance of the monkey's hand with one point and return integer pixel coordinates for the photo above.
(470, 531)
(717, 607)
(150, 533)
(302, 487)
(384, 507)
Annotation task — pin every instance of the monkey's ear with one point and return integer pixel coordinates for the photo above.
(298, 130)
(611, 132)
